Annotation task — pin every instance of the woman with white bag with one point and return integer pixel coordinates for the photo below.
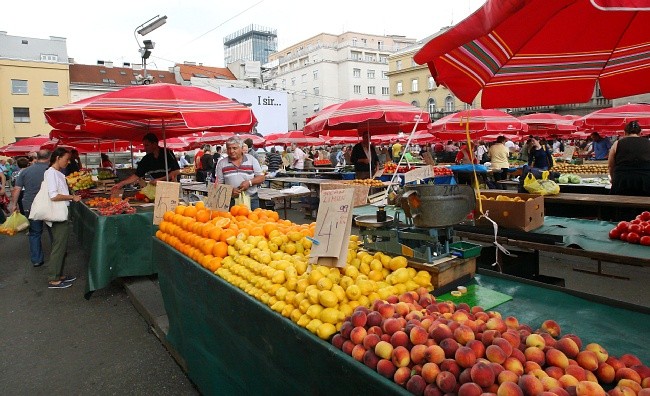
(58, 192)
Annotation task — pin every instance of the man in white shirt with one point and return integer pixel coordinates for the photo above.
(298, 158)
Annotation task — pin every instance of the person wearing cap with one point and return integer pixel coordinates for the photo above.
(629, 163)
(241, 171)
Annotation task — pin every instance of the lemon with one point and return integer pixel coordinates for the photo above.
(302, 284)
(353, 292)
(301, 267)
(367, 258)
(346, 309)
(274, 288)
(364, 268)
(313, 296)
(346, 281)
(298, 298)
(304, 320)
(314, 311)
(314, 276)
(375, 265)
(325, 331)
(278, 306)
(339, 292)
(286, 311)
(397, 262)
(324, 284)
(306, 243)
(331, 315)
(290, 272)
(304, 305)
(327, 298)
(291, 283)
(351, 271)
(385, 260)
(365, 286)
(278, 277)
(354, 237)
(400, 275)
(355, 263)
(294, 236)
(295, 315)
(313, 325)
(323, 270)
(281, 293)
(375, 275)
(364, 301)
(288, 298)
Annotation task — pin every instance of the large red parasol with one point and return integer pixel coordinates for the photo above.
(221, 137)
(546, 124)
(543, 52)
(296, 137)
(87, 144)
(479, 122)
(28, 145)
(615, 118)
(165, 109)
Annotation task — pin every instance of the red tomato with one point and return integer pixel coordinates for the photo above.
(614, 233)
(635, 228)
(645, 240)
(646, 229)
(636, 221)
(623, 236)
(633, 237)
(622, 226)
(645, 215)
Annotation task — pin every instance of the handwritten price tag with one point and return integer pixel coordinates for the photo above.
(423, 172)
(333, 224)
(167, 195)
(219, 197)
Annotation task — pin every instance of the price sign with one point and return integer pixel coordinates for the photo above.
(568, 153)
(333, 224)
(423, 172)
(428, 159)
(219, 197)
(167, 195)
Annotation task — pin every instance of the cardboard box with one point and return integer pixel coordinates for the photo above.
(360, 191)
(526, 216)
(447, 271)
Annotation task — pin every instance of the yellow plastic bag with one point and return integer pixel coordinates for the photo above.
(542, 187)
(243, 199)
(14, 223)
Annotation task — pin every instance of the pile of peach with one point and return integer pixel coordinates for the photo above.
(438, 348)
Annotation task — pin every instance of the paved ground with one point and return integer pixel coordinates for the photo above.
(56, 342)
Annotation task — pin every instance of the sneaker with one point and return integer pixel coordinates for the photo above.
(60, 285)
(68, 279)
(38, 264)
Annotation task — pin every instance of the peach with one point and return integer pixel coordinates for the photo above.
(630, 384)
(399, 338)
(386, 310)
(481, 315)
(504, 345)
(434, 354)
(588, 388)
(512, 337)
(449, 345)
(460, 316)
(645, 383)
(450, 365)
(444, 307)
(482, 374)
(418, 354)
(576, 371)
(463, 334)
(370, 359)
(470, 389)
(630, 360)
(587, 360)
(627, 373)
(429, 372)
(416, 385)
(373, 319)
(495, 354)
(465, 376)
(401, 357)
(559, 391)
(426, 300)
(358, 318)
(530, 385)
(488, 337)
(530, 366)
(370, 341)
(554, 371)
(514, 365)
(575, 339)
(568, 346)
(496, 368)
(357, 352)
(407, 298)
(338, 341)
(519, 355)
(385, 337)
(384, 350)
(446, 381)
(538, 373)
(402, 375)
(551, 327)
(440, 332)
(402, 309)
(347, 347)
(346, 329)
(386, 368)
(622, 391)
(507, 376)
(615, 363)
(478, 348)
(432, 390)
(591, 376)
(644, 371)
(644, 392)
(555, 357)
(549, 383)
(568, 380)
(511, 322)
(601, 353)
(465, 357)
(535, 354)
(391, 325)
(426, 323)
(495, 323)
(535, 340)
(358, 334)
(605, 373)
(548, 340)
(418, 335)
(509, 389)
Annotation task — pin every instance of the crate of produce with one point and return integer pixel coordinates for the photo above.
(448, 270)
(360, 191)
(465, 249)
(512, 210)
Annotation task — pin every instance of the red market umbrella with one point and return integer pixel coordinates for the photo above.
(615, 118)
(546, 124)
(481, 122)
(492, 138)
(297, 137)
(221, 137)
(543, 52)
(87, 144)
(28, 145)
(334, 140)
(167, 110)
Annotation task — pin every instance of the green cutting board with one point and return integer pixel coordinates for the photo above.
(477, 295)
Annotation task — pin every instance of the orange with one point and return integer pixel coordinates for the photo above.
(215, 233)
(257, 231)
(190, 211)
(168, 216)
(222, 222)
(253, 216)
(207, 245)
(160, 234)
(243, 210)
(214, 264)
(234, 210)
(225, 234)
(220, 249)
(268, 228)
(199, 205)
(205, 230)
(180, 209)
(203, 216)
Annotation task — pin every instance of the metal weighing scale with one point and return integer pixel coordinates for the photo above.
(430, 211)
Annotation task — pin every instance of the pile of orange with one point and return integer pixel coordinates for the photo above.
(204, 235)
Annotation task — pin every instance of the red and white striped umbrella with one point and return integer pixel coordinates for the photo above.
(479, 122)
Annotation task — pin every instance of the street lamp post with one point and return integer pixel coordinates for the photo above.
(147, 45)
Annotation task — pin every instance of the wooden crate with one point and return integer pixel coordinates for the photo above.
(448, 271)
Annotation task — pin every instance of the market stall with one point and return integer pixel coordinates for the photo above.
(117, 246)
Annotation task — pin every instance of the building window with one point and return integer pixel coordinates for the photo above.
(354, 41)
(414, 85)
(50, 88)
(356, 73)
(371, 90)
(398, 64)
(305, 61)
(316, 107)
(304, 110)
(357, 89)
(303, 78)
(431, 83)
(398, 88)
(385, 91)
(294, 111)
(293, 81)
(316, 91)
(380, 45)
(450, 104)
(356, 55)
(21, 114)
(371, 74)
(19, 87)
(384, 75)
(315, 74)
(413, 64)
(49, 58)
(415, 103)
(431, 107)
(383, 59)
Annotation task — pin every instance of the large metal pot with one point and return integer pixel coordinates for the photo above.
(437, 205)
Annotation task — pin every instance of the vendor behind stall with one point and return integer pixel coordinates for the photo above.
(152, 165)
(241, 171)
(629, 163)
(359, 158)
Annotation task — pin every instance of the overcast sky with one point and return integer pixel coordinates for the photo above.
(103, 30)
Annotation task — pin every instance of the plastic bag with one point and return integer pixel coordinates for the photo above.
(542, 187)
(15, 223)
(243, 199)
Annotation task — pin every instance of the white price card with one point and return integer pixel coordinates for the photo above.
(421, 173)
(219, 196)
(333, 224)
(167, 196)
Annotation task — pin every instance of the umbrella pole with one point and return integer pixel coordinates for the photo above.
(132, 161)
(408, 142)
(165, 151)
